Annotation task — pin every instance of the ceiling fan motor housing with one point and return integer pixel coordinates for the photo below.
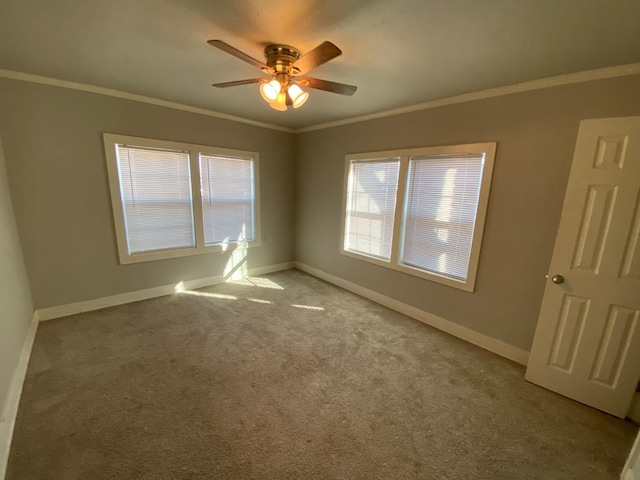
(281, 58)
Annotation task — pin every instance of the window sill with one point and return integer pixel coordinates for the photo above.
(126, 258)
(467, 286)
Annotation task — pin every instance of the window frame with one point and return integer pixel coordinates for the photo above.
(373, 258)
(486, 148)
(111, 141)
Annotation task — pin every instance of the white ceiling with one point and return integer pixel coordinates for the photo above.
(398, 53)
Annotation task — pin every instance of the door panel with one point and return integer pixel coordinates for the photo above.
(596, 219)
(587, 343)
(614, 345)
(568, 332)
(631, 264)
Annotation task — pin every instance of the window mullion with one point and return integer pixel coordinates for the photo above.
(196, 195)
(398, 223)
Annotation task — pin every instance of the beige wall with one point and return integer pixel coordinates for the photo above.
(536, 133)
(57, 173)
(58, 177)
(16, 306)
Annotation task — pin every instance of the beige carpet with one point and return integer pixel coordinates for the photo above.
(287, 377)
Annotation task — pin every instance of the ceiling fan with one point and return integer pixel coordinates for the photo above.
(285, 64)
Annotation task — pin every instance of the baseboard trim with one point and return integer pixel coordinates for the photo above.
(10, 410)
(634, 410)
(50, 313)
(496, 346)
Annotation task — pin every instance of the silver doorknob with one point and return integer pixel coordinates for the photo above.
(557, 279)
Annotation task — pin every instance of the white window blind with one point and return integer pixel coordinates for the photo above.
(227, 199)
(440, 213)
(371, 203)
(155, 186)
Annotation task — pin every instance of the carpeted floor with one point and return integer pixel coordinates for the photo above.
(287, 377)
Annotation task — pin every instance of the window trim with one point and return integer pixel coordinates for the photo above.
(111, 141)
(489, 150)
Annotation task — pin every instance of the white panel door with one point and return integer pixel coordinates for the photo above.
(587, 342)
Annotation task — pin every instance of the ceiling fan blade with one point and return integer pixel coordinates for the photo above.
(319, 55)
(225, 47)
(238, 82)
(328, 86)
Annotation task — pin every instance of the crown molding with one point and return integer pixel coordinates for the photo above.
(566, 79)
(29, 77)
(556, 81)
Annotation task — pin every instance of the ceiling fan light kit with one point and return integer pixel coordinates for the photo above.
(297, 95)
(270, 90)
(276, 91)
(285, 64)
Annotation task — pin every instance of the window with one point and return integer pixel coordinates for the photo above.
(227, 198)
(440, 213)
(371, 206)
(420, 211)
(155, 187)
(172, 199)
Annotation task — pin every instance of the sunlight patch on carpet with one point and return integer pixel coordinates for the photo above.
(258, 282)
(307, 307)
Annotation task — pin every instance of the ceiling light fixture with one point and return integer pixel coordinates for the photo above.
(280, 103)
(297, 95)
(282, 91)
(270, 90)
